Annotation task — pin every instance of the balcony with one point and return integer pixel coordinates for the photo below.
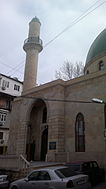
(33, 42)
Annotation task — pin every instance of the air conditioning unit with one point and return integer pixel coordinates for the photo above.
(1, 141)
(3, 88)
(1, 123)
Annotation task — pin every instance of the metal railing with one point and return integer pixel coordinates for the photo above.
(24, 164)
(35, 40)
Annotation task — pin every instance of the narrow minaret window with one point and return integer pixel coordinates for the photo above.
(44, 118)
(32, 47)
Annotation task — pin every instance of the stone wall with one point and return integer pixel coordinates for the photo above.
(82, 156)
(9, 162)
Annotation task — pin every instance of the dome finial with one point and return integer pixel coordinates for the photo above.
(35, 19)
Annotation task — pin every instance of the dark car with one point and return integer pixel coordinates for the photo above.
(4, 182)
(90, 168)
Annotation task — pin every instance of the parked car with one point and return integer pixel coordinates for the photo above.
(91, 168)
(4, 182)
(52, 178)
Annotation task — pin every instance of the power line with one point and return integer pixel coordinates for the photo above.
(57, 100)
(2, 62)
(63, 100)
(12, 68)
(82, 16)
(16, 68)
(75, 22)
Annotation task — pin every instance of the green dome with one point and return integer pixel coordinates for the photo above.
(98, 47)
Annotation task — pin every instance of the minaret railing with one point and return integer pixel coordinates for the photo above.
(35, 40)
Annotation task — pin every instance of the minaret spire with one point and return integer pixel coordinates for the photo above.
(32, 46)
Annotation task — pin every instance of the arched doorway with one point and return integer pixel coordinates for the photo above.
(80, 133)
(37, 132)
(44, 144)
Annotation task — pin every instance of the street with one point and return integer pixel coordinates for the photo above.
(100, 186)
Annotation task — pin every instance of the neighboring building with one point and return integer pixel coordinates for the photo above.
(11, 86)
(57, 121)
(9, 89)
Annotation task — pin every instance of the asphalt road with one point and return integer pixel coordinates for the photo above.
(100, 186)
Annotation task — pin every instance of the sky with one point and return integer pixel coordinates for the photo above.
(68, 28)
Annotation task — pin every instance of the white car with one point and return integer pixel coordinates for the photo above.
(52, 178)
(4, 182)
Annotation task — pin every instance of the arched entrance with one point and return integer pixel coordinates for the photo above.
(44, 144)
(37, 132)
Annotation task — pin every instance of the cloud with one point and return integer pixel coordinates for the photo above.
(55, 16)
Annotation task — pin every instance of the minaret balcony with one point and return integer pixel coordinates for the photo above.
(33, 43)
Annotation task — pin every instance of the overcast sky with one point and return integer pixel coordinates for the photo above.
(55, 15)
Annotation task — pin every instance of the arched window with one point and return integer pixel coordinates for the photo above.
(87, 72)
(101, 65)
(79, 133)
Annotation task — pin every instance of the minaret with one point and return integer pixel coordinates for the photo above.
(32, 46)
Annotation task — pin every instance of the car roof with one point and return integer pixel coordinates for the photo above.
(50, 168)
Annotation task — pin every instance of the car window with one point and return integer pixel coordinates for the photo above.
(94, 165)
(85, 166)
(33, 176)
(44, 175)
(75, 167)
(65, 172)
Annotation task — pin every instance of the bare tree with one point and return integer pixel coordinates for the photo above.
(70, 70)
(78, 69)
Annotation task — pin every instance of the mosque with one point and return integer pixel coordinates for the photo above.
(59, 121)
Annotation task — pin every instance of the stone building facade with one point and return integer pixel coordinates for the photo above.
(58, 121)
